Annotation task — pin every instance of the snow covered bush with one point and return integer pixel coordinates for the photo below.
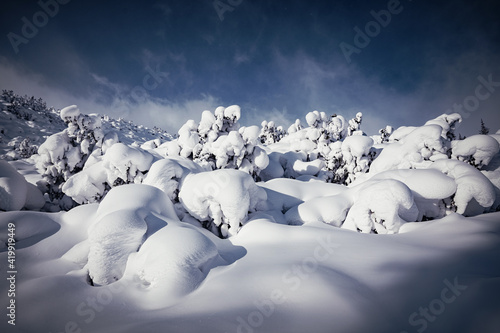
(355, 124)
(270, 133)
(64, 154)
(356, 156)
(120, 164)
(432, 190)
(477, 150)
(385, 133)
(381, 207)
(22, 148)
(318, 150)
(475, 193)
(219, 142)
(416, 149)
(448, 123)
(168, 174)
(221, 199)
(295, 127)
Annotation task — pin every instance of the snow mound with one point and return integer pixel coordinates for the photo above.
(417, 148)
(126, 161)
(222, 198)
(172, 263)
(475, 193)
(283, 193)
(15, 192)
(165, 175)
(448, 123)
(477, 149)
(120, 227)
(381, 207)
(330, 210)
(311, 168)
(429, 187)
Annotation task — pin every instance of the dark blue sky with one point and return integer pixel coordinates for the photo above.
(163, 62)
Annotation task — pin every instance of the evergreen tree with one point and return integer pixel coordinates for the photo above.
(484, 130)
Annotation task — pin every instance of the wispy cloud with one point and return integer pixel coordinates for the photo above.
(111, 98)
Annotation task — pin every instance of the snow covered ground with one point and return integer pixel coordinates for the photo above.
(440, 276)
(228, 228)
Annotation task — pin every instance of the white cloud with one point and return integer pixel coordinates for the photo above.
(114, 100)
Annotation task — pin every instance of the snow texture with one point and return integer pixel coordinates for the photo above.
(15, 192)
(119, 228)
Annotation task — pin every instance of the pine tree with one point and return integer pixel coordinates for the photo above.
(484, 130)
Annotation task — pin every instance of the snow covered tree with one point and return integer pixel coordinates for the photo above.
(355, 124)
(295, 127)
(65, 153)
(385, 133)
(219, 142)
(270, 133)
(26, 149)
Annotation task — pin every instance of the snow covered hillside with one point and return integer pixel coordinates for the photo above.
(25, 123)
(110, 227)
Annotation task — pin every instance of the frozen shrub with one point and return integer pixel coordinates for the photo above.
(64, 154)
(356, 155)
(381, 207)
(448, 123)
(221, 199)
(477, 150)
(219, 142)
(120, 164)
(385, 133)
(270, 133)
(416, 149)
(475, 193)
(295, 127)
(432, 190)
(355, 124)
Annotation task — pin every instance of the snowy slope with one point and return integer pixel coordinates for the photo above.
(34, 120)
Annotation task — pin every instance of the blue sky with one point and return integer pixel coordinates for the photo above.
(164, 62)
